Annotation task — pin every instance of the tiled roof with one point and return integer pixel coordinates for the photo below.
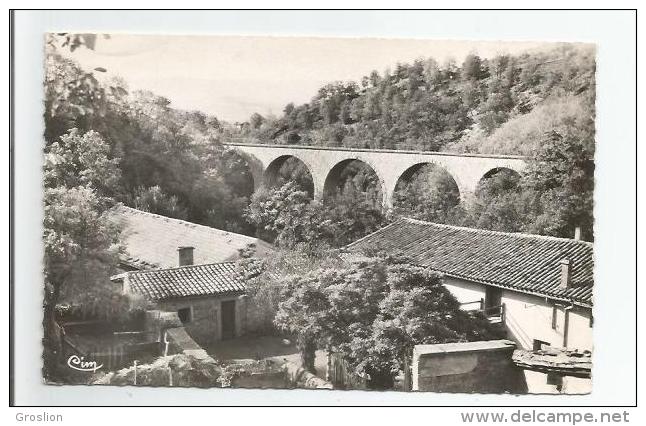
(522, 262)
(151, 240)
(186, 281)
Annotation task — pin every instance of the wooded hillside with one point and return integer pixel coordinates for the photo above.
(502, 105)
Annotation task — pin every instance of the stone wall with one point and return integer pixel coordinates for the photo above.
(270, 374)
(473, 367)
(205, 325)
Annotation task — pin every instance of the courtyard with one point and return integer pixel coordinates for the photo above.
(255, 348)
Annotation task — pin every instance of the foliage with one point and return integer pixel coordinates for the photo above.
(154, 200)
(81, 160)
(157, 146)
(294, 170)
(374, 312)
(265, 279)
(430, 194)
(561, 179)
(523, 134)
(428, 106)
(288, 217)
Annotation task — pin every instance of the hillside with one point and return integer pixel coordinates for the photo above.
(501, 105)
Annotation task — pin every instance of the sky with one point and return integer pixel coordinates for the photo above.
(232, 77)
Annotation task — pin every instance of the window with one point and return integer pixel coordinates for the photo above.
(554, 319)
(539, 344)
(184, 315)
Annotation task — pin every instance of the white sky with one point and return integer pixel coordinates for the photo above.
(232, 77)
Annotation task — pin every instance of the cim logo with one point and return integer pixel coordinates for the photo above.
(79, 364)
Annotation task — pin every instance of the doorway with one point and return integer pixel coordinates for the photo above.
(228, 311)
(493, 297)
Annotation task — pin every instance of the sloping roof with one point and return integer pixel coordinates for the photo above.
(523, 262)
(186, 281)
(151, 240)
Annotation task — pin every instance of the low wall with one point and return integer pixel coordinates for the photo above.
(471, 367)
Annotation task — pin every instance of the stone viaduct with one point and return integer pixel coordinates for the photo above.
(326, 163)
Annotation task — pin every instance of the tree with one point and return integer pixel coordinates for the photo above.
(561, 178)
(256, 120)
(431, 194)
(154, 200)
(374, 312)
(81, 160)
(499, 204)
(81, 243)
(288, 217)
(81, 248)
(472, 67)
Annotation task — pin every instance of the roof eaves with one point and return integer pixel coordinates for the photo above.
(513, 288)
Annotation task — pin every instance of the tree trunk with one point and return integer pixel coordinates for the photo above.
(307, 347)
(52, 345)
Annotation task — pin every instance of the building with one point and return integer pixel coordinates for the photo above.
(187, 268)
(539, 287)
(151, 241)
(209, 299)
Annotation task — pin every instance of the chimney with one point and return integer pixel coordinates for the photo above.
(566, 274)
(185, 255)
(577, 233)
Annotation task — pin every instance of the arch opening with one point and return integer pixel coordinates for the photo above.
(426, 191)
(498, 202)
(238, 172)
(286, 169)
(497, 181)
(354, 179)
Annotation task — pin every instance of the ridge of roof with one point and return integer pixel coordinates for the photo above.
(487, 231)
(184, 267)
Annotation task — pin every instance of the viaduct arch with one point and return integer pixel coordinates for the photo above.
(390, 165)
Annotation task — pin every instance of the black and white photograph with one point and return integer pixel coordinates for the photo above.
(319, 213)
(323, 208)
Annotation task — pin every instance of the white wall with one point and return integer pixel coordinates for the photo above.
(465, 291)
(529, 317)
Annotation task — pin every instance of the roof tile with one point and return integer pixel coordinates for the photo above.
(524, 262)
(187, 281)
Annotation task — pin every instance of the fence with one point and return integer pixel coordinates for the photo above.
(342, 375)
(91, 343)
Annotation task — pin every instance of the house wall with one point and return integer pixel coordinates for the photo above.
(529, 317)
(205, 325)
(465, 291)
